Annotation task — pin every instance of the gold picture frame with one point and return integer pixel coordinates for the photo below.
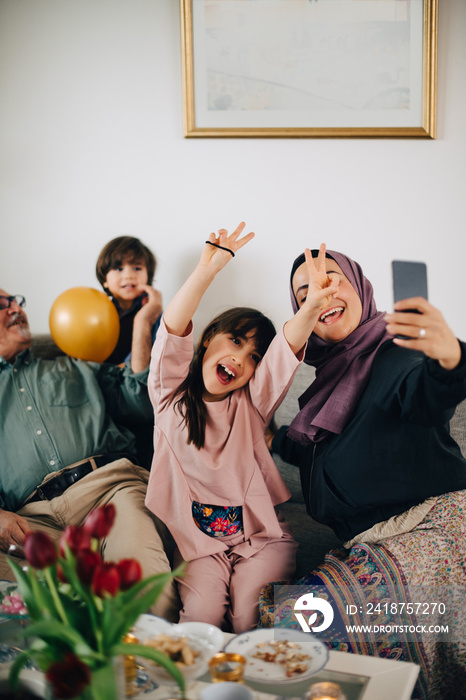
(309, 68)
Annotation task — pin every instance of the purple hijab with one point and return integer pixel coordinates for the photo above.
(343, 368)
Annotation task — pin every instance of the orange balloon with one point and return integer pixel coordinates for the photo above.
(84, 323)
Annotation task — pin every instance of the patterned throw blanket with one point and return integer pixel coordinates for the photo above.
(403, 599)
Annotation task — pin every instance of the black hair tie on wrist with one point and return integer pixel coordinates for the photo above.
(216, 245)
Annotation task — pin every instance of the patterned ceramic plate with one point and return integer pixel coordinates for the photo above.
(275, 656)
(11, 604)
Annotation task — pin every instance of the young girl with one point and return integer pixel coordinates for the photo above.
(213, 481)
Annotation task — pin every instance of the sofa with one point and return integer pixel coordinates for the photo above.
(314, 539)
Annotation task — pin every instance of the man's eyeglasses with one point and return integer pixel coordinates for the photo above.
(5, 302)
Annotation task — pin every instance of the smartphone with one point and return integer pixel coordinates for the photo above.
(409, 280)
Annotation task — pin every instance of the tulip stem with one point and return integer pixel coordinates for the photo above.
(55, 596)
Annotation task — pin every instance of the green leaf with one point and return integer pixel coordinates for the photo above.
(104, 682)
(25, 589)
(54, 632)
(83, 594)
(39, 597)
(81, 591)
(109, 620)
(16, 668)
(154, 655)
(129, 605)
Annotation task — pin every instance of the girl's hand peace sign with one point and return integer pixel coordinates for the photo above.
(218, 251)
(221, 248)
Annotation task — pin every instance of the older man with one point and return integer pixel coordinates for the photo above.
(64, 449)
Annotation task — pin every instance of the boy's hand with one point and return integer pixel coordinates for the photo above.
(142, 327)
(214, 258)
(151, 305)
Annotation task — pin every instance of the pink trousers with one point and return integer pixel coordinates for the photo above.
(223, 589)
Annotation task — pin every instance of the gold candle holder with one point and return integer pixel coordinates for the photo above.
(325, 691)
(227, 667)
(131, 670)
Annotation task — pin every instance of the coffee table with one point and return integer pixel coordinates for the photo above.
(361, 678)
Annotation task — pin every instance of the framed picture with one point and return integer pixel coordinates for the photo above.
(309, 68)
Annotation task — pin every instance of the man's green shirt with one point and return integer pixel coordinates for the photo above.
(57, 412)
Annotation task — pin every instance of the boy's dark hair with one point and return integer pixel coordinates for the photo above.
(122, 249)
(239, 322)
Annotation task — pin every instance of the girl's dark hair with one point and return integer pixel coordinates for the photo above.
(124, 249)
(239, 322)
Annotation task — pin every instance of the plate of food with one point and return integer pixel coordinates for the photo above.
(211, 634)
(147, 624)
(190, 645)
(279, 655)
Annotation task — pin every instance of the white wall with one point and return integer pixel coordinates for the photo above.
(91, 147)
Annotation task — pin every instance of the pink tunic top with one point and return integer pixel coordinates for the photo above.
(235, 467)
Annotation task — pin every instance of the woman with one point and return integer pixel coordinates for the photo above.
(378, 465)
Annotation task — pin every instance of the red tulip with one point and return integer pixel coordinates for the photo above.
(76, 538)
(106, 579)
(99, 522)
(130, 573)
(86, 562)
(69, 677)
(39, 550)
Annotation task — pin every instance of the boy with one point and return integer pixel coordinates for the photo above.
(125, 268)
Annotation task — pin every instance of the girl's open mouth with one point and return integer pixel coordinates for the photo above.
(331, 315)
(225, 374)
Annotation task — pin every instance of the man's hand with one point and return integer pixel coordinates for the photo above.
(13, 530)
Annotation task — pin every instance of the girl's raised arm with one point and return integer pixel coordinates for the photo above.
(319, 293)
(218, 251)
